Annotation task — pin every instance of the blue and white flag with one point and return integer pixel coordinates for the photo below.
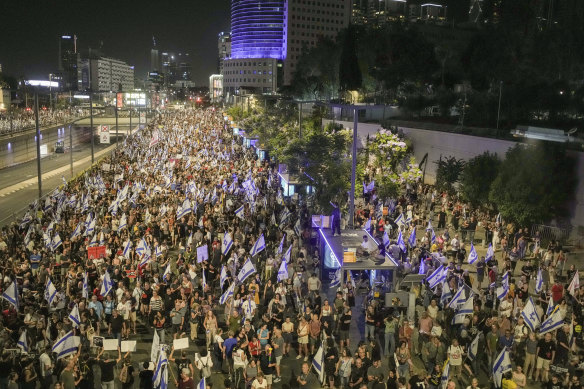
(501, 366)
(283, 272)
(437, 276)
(446, 293)
(158, 251)
(106, 285)
(85, 291)
(472, 255)
(77, 230)
(160, 377)
(281, 246)
(204, 281)
(23, 342)
(246, 270)
(57, 242)
(463, 310)
(258, 246)
(11, 294)
(127, 247)
(412, 238)
(142, 246)
(550, 308)
(336, 281)
(574, 284)
(90, 227)
(318, 364)
(123, 223)
(222, 276)
(74, 316)
(473, 349)
(166, 272)
(459, 298)
(226, 244)
(66, 345)
(400, 242)
(445, 374)
(239, 213)
(367, 226)
(287, 255)
(490, 253)
(529, 315)
(503, 290)
(400, 220)
(386, 240)
(50, 291)
(51, 228)
(539, 282)
(422, 269)
(297, 228)
(228, 293)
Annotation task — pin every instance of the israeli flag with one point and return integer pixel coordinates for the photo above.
(51, 228)
(530, 316)
(412, 238)
(11, 294)
(77, 231)
(166, 272)
(48, 241)
(400, 242)
(445, 374)
(281, 247)
(550, 308)
(106, 285)
(459, 297)
(539, 282)
(386, 240)
(472, 255)
(74, 316)
(23, 342)
(574, 284)
(27, 237)
(287, 255)
(90, 228)
(433, 237)
(123, 223)
(504, 288)
(297, 228)
(190, 240)
(501, 366)
(258, 246)
(158, 251)
(57, 242)
(228, 293)
(283, 272)
(66, 345)
(318, 364)
(226, 244)
(160, 377)
(336, 281)
(239, 213)
(400, 221)
(246, 270)
(465, 309)
(93, 241)
(202, 384)
(50, 291)
(474, 348)
(127, 247)
(204, 281)
(422, 269)
(367, 226)
(223, 276)
(142, 246)
(85, 291)
(437, 276)
(490, 253)
(446, 293)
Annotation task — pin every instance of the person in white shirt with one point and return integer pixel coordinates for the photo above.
(259, 382)
(248, 307)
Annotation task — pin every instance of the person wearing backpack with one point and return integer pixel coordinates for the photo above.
(107, 368)
(204, 363)
(126, 375)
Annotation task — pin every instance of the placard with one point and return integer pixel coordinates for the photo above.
(97, 341)
(110, 344)
(128, 345)
(105, 167)
(202, 254)
(96, 252)
(180, 344)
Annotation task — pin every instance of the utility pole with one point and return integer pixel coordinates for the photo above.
(71, 149)
(91, 122)
(499, 108)
(38, 142)
(353, 169)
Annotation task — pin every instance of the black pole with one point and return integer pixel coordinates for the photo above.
(71, 149)
(91, 123)
(130, 120)
(38, 143)
(116, 125)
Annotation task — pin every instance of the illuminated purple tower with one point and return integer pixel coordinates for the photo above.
(258, 29)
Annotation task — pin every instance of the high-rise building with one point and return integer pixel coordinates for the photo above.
(103, 74)
(224, 47)
(154, 58)
(216, 87)
(67, 61)
(268, 36)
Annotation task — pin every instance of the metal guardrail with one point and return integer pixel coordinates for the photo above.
(549, 233)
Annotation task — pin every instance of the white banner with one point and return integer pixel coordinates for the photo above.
(142, 117)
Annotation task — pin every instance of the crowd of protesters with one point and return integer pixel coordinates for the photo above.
(179, 211)
(18, 120)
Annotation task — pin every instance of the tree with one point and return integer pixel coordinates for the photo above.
(534, 183)
(350, 77)
(448, 173)
(477, 176)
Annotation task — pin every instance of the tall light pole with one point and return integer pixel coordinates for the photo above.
(499, 107)
(91, 122)
(38, 142)
(353, 169)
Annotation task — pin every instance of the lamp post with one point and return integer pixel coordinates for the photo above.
(38, 142)
(499, 107)
(91, 123)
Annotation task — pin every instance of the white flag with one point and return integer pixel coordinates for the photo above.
(66, 345)
(530, 316)
(283, 272)
(74, 316)
(258, 246)
(226, 244)
(246, 270)
(50, 291)
(574, 284)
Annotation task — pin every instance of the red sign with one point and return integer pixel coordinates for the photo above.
(119, 100)
(96, 252)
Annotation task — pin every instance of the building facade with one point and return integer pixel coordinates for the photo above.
(104, 74)
(224, 49)
(216, 87)
(68, 62)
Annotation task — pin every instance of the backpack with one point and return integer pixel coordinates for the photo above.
(205, 370)
(124, 377)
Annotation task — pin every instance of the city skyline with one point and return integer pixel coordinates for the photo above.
(186, 26)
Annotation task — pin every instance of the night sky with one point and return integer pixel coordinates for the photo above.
(29, 32)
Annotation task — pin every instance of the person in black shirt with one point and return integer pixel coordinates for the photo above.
(563, 346)
(357, 374)
(107, 366)
(344, 327)
(182, 363)
(418, 381)
(546, 351)
(116, 326)
(146, 377)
